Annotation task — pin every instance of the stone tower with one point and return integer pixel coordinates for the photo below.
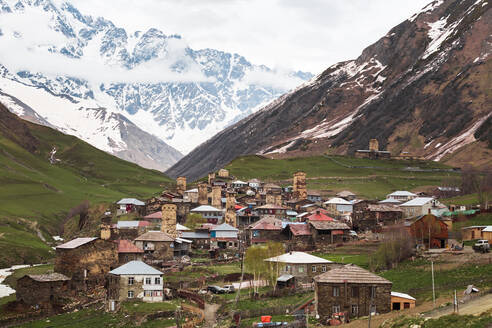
(270, 198)
(278, 200)
(299, 185)
(168, 224)
(223, 173)
(106, 228)
(373, 145)
(202, 193)
(230, 215)
(181, 185)
(211, 178)
(217, 196)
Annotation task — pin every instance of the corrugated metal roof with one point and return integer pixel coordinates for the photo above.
(350, 273)
(419, 201)
(132, 224)
(319, 217)
(135, 267)
(126, 246)
(268, 222)
(300, 229)
(195, 235)
(224, 227)
(345, 193)
(130, 201)
(55, 276)
(285, 277)
(389, 201)
(401, 193)
(329, 225)
(205, 208)
(181, 227)
(155, 215)
(74, 243)
(488, 229)
(297, 258)
(402, 295)
(383, 208)
(154, 236)
(338, 201)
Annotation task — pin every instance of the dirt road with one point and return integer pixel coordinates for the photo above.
(475, 306)
(210, 315)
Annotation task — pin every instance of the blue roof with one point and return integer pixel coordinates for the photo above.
(135, 267)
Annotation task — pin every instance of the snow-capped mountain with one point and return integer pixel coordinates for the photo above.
(422, 90)
(87, 77)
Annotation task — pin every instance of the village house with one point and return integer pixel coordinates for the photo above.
(271, 187)
(43, 291)
(298, 204)
(134, 280)
(128, 205)
(401, 301)
(200, 238)
(211, 214)
(267, 229)
(181, 247)
(402, 195)
(299, 236)
(351, 289)
(477, 232)
(347, 195)
(86, 261)
(374, 216)
(158, 244)
(329, 232)
(224, 236)
(154, 219)
(336, 206)
(390, 201)
(131, 229)
(429, 230)
(238, 184)
(300, 266)
(417, 206)
(254, 183)
(191, 195)
(314, 196)
(127, 252)
(318, 215)
(271, 209)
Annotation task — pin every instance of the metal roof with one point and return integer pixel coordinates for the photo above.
(350, 273)
(205, 208)
(55, 276)
(132, 224)
(345, 193)
(195, 235)
(419, 201)
(126, 246)
(338, 201)
(401, 193)
(74, 243)
(383, 208)
(329, 225)
(155, 215)
(154, 235)
(130, 201)
(297, 258)
(192, 190)
(390, 201)
(181, 227)
(224, 227)
(402, 295)
(487, 229)
(135, 267)
(285, 277)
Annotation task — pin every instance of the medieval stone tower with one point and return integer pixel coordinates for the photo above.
(168, 224)
(181, 185)
(299, 185)
(202, 193)
(211, 178)
(105, 228)
(230, 215)
(373, 145)
(217, 196)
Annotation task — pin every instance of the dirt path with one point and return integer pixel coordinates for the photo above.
(210, 315)
(476, 306)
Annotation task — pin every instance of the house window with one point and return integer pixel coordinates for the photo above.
(148, 281)
(355, 310)
(157, 280)
(300, 269)
(147, 293)
(130, 294)
(131, 280)
(355, 291)
(323, 268)
(336, 308)
(287, 268)
(373, 292)
(336, 291)
(406, 305)
(373, 309)
(313, 268)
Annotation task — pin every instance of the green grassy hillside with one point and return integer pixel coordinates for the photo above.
(330, 174)
(36, 195)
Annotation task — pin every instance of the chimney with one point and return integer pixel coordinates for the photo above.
(429, 211)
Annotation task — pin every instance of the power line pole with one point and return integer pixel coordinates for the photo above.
(433, 288)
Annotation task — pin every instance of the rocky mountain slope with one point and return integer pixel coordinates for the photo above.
(90, 78)
(423, 88)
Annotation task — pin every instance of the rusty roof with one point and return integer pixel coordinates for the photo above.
(74, 243)
(126, 246)
(383, 208)
(319, 217)
(55, 276)
(268, 222)
(300, 229)
(154, 236)
(350, 273)
(329, 225)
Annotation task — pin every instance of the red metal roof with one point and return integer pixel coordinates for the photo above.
(300, 229)
(319, 217)
(156, 215)
(126, 246)
(266, 226)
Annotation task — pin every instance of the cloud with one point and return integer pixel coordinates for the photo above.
(279, 79)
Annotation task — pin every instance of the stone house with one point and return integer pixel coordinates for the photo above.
(128, 205)
(266, 229)
(402, 195)
(329, 232)
(44, 290)
(270, 209)
(314, 196)
(347, 195)
(200, 238)
(127, 252)
(157, 244)
(254, 183)
(271, 187)
(477, 232)
(374, 216)
(191, 195)
(299, 237)
(135, 280)
(303, 267)
(86, 261)
(353, 290)
(336, 206)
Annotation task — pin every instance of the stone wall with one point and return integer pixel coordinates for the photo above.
(217, 197)
(44, 294)
(362, 299)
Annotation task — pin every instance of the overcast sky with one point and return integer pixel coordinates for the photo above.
(299, 34)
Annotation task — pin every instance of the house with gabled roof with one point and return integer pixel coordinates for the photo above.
(298, 236)
(351, 289)
(402, 195)
(224, 236)
(329, 232)
(158, 244)
(127, 205)
(211, 214)
(266, 229)
(127, 251)
(135, 280)
(43, 291)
